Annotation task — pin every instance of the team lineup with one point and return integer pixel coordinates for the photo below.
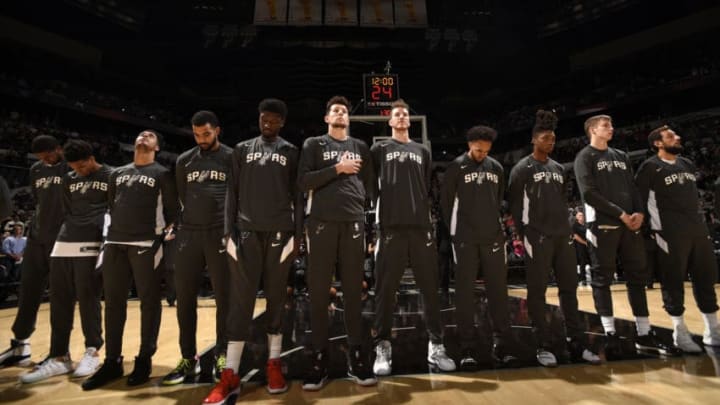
(243, 212)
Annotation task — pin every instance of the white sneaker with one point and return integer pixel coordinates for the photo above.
(683, 341)
(546, 358)
(17, 355)
(437, 357)
(591, 357)
(50, 368)
(88, 364)
(712, 337)
(383, 358)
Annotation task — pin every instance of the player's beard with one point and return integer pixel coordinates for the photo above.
(208, 146)
(674, 150)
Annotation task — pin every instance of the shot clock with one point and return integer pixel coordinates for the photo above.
(380, 90)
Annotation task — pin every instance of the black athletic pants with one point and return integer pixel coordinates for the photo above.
(678, 255)
(398, 249)
(471, 257)
(605, 246)
(33, 280)
(121, 264)
(74, 279)
(194, 250)
(261, 255)
(331, 246)
(542, 254)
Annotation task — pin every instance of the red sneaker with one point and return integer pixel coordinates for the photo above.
(275, 380)
(229, 385)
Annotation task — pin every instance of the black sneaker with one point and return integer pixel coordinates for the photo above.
(186, 370)
(651, 343)
(317, 375)
(468, 360)
(359, 369)
(141, 371)
(17, 354)
(613, 349)
(502, 356)
(112, 369)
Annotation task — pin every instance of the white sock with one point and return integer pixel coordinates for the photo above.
(711, 321)
(642, 325)
(234, 354)
(23, 341)
(274, 345)
(608, 323)
(677, 321)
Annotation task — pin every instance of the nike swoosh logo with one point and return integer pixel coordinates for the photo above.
(658, 169)
(142, 251)
(356, 236)
(463, 166)
(428, 244)
(570, 243)
(495, 250)
(222, 250)
(275, 244)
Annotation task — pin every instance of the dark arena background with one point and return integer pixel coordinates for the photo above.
(104, 70)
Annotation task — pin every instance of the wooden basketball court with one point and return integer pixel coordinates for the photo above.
(685, 380)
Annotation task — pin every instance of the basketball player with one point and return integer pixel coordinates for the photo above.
(668, 187)
(201, 175)
(261, 216)
(336, 171)
(72, 265)
(538, 203)
(614, 215)
(406, 236)
(472, 195)
(47, 189)
(143, 203)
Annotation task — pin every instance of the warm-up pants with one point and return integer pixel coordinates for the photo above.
(398, 249)
(194, 250)
(331, 246)
(74, 279)
(121, 264)
(606, 245)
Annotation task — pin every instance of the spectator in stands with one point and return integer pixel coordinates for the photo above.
(14, 247)
(581, 249)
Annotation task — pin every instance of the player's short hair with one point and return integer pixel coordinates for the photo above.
(544, 121)
(157, 134)
(656, 135)
(481, 133)
(592, 121)
(273, 105)
(338, 100)
(203, 117)
(399, 103)
(76, 150)
(44, 143)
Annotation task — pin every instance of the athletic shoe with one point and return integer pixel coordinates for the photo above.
(502, 356)
(186, 368)
(613, 349)
(50, 368)
(359, 369)
(580, 352)
(317, 375)
(17, 355)
(383, 358)
(88, 364)
(439, 358)
(546, 358)
(650, 343)
(712, 337)
(141, 371)
(228, 386)
(111, 369)
(467, 361)
(220, 363)
(275, 379)
(683, 341)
